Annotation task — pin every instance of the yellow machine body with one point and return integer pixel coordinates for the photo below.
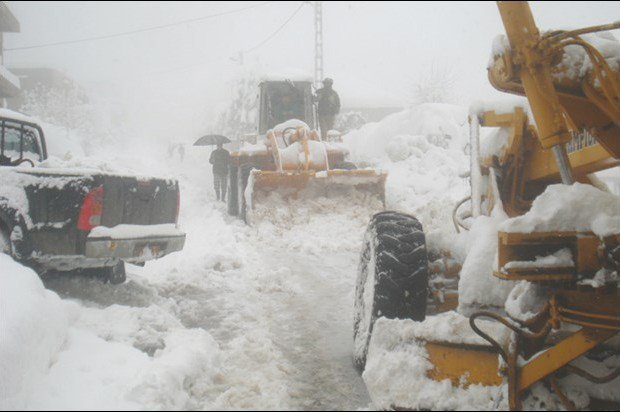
(576, 133)
(295, 165)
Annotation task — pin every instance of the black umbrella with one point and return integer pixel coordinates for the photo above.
(212, 139)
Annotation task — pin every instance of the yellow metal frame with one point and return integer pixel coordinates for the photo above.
(562, 108)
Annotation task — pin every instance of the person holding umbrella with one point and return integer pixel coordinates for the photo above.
(220, 159)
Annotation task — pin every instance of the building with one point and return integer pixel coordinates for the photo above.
(9, 82)
(42, 78)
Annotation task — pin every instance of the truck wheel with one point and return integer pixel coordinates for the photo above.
(115, 275)
(233, 193)
(14, 242)
(392, 279)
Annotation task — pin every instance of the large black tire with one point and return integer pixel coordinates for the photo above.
(233, 193)
(392, 279)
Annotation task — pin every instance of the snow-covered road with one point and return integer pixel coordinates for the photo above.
(245, 317)
(313, 331)
(279, 305)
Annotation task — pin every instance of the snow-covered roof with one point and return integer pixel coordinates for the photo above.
(358, 93)
(11, 114)
(292, 74)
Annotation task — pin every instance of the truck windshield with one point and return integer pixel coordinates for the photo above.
(18, 142)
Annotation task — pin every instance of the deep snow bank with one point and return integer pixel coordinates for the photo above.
(33, 329)
(56, 354)
(423, 149)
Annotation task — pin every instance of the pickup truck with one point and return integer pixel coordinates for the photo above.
(79, 220)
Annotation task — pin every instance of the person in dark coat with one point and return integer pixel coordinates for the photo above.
(329, 106)
(220, 159)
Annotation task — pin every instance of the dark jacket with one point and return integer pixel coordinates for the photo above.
(329, 101)
(220, 158)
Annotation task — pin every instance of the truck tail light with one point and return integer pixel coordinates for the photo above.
(92, 209)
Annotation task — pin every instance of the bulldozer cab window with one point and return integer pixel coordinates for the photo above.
(284, 102)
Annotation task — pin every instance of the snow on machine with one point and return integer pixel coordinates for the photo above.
(536, 318)
(290, 163)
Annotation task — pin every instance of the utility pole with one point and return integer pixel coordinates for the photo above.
(318, 43)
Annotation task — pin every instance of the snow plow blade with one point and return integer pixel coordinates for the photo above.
(355, 187)
(436, 364)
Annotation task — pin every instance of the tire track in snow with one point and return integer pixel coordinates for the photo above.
(314, 331)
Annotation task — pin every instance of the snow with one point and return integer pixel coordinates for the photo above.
(563, 258)
(396, 371)
(259, 317)
(11, 114)
(500, 46)
(33, 329)
(568, 208)
(249, 148)
(578, 387)
(601, 278)
(576, 63)
(505, 105)
(295, 123)
(493, 141)
(292, 74)
(423, 151)
(525, 300)
(477, 285)
(605, 225)
(449, 327)
(50, 360)
(357, 93)
(13, 196)
(243, 318)
(134, 231)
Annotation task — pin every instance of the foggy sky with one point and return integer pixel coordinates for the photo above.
(181, 74)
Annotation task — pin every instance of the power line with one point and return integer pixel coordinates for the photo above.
(131, 32)
(192, 65)
(278, 30)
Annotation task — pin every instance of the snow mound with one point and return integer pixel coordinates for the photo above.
(477, 285)
(57, 354)
(578, 207)
(62, 142)
(33, 329)
(423, 149)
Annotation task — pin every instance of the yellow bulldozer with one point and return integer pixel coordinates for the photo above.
(571, 131)
(289, 161)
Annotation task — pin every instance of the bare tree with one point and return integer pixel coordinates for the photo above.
(436, 84)
(66, 106)
(240, 117)
(69, 106)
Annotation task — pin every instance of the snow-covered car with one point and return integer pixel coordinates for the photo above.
(79, 219)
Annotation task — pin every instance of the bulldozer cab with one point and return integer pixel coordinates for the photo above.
(285, 100)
